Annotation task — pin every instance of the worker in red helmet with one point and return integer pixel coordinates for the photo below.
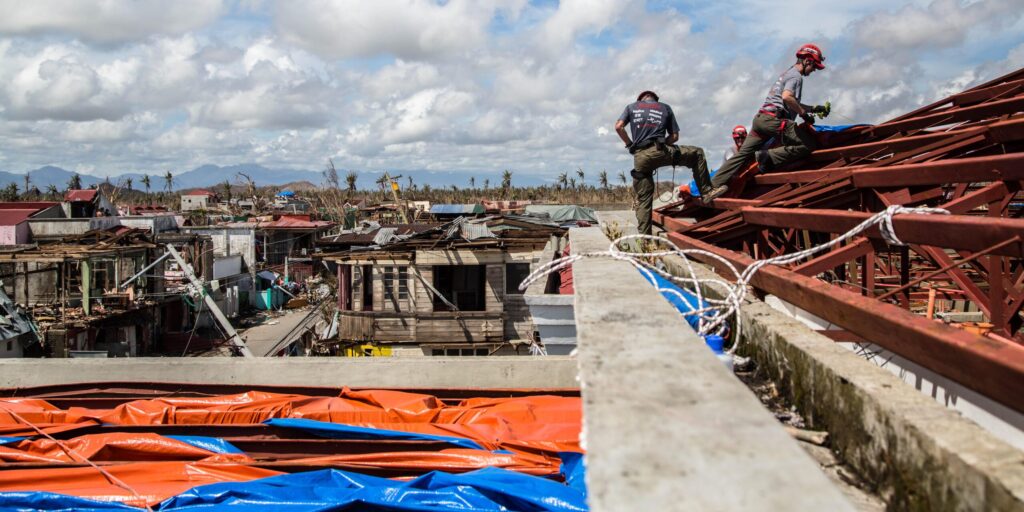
(655, 132)
(777, 119)
(739, 135)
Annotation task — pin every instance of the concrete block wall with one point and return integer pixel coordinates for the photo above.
(917, 454)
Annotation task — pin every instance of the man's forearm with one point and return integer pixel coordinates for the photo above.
(623, 136)
(672, 138)
(793, 105)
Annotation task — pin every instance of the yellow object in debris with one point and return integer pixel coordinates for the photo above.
(394, 186)
(367, 350)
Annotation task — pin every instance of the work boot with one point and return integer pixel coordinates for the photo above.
(764, 162)
(713, 194)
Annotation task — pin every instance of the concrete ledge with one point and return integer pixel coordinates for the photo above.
(419, 372)
(667, 426)
(918, 454)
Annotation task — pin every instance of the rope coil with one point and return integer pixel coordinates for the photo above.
(714, 319)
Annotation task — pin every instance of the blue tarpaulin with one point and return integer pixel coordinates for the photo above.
(573, 471)
(486, 489)
(688, 302)
(5, 440)
(213, 444)
(341, 431)
(489, 489)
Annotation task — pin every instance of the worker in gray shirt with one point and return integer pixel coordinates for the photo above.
(655, 132)
(777, 119)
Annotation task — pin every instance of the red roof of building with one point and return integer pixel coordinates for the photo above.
(14, 213)
(88, 195)
(200, 192)
(23, 205)
(15, 217)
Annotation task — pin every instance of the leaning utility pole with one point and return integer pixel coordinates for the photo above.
(394, 193)
(196, 288)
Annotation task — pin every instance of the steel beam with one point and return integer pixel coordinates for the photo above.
(991, 367)
(962, 170)
(951, 231)
(951, 115)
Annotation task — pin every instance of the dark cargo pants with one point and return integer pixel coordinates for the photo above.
(648, 160)
(796, 145)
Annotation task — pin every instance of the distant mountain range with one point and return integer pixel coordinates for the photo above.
(213, 175)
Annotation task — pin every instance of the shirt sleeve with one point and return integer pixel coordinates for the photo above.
(671, 124)
(626, 114)
(793, 84)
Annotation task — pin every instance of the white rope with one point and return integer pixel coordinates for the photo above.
(713, 319)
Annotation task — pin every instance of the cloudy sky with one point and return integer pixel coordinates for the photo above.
(534, 86)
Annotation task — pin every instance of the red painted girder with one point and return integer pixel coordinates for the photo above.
(1000, 91)
(778, 178)
(1007, 131)
(960, 170)
(993, 368)
(887, 146)
(832, 259)
(1013, 75)
(948, 231)
(952, 115)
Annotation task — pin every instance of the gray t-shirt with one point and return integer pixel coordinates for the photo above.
(791, 81)
(649, 120)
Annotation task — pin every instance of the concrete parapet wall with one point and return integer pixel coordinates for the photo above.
(667, 426)
(918, 454)
(424, 372)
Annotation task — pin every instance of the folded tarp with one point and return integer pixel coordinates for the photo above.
(213, 444)
(562, 212)
(341, 431)
(488, 489)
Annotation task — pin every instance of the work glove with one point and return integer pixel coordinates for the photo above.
(822, 110)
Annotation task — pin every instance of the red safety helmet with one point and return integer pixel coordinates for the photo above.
(810, 51)
(645, 93)
(739, 131)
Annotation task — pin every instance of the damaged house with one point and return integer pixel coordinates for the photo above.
(449, 289)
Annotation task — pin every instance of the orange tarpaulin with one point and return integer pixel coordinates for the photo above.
(153, 481)
(115, 446)
(529, 431)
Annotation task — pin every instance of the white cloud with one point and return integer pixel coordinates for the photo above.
(458, 85)
(942, 24)
(410, 29)
(108, 21)
(575, 17)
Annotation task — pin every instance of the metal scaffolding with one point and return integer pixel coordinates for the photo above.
(965, 154)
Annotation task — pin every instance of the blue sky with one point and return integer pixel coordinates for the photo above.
(149, 85)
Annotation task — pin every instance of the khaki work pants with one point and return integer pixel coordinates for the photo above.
(648, 160)
(796, 145)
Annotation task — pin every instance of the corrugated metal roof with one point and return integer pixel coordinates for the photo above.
(476, 231)
(384, 236)
(15, 217)
(24, 205)
(81, 195)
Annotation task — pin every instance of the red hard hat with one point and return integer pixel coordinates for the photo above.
(645, 93)
(739, 130)
(811, 51)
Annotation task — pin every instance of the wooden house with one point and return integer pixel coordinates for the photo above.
(449, 290)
